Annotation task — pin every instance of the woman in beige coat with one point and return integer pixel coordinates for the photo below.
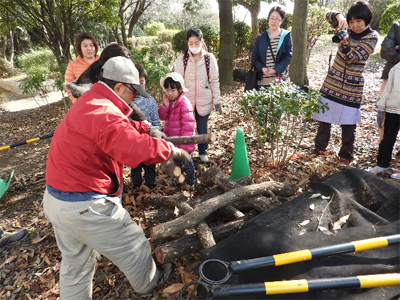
(200, 71)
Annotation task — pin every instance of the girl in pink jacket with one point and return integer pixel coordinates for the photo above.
(177, 111)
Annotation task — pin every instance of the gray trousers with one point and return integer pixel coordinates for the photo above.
(85, 229)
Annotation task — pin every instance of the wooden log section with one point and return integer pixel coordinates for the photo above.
(194, 139)
(168, 252)
(260, 203)
(160, 215)
(179, 201)
(198, 214)
(170, 169)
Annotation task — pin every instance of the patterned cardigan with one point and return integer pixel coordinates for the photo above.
(344, 83)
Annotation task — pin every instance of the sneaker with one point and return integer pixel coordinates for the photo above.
(204, 158)
(166, 271)
(377, 169)
(395, 176)
(317, 152)
(11, 239)
(344, 161)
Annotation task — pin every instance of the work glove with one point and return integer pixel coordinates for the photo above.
(158, 134)
(380, 117)
(218, 108)
(137, 114)
(178, 154)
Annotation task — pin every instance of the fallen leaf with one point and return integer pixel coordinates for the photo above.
(338, 224)
(315, 196)
(305, 222)
(176, 287)
(312, 206)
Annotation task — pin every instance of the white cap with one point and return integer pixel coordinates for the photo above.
(123, 70)
(176, 77)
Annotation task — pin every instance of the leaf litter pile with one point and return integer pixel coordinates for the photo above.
(30, 269)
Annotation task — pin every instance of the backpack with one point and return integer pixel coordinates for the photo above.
(206, 60)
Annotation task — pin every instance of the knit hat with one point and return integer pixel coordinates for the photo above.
(123, 70)
(176, 77)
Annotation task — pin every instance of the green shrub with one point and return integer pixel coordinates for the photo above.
(158, 61)
(167, 35)
(148, 41)
(389, 16)
(179, 42)
(38, 66)
(242, 37)
(317, 25)
(281, 111)
(154, 28)
(263, 24)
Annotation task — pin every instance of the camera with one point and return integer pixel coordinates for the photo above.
(339, 36)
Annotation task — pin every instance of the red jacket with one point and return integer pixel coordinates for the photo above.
(179, 120)
(95, 140)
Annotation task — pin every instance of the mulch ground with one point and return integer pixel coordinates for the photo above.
(30, 269)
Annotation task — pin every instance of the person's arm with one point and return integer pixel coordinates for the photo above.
(163, 111)
(281, 66)
(69, 77)
(388, 48)
(178, 67)
(153, 113)
(363, 50)
(255, 55)
(214, 80)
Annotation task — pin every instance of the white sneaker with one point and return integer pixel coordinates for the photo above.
(395, 176)
(377, 169)
(204, 158)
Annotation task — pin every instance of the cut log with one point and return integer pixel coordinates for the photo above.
(260, 203)
(194, 139)
(168, 252)
(179, 201)
(170, 169)
(158, 216)
(198, 214)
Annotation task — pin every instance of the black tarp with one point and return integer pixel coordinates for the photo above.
(372, 206)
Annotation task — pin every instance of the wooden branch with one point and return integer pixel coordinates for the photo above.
(194, 139)
(191, 244)
(157, 216)
(198, 214)
(179, 201)
(260, 203)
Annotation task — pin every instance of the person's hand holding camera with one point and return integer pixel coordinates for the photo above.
(342, 22)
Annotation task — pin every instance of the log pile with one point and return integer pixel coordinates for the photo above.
(180, 225)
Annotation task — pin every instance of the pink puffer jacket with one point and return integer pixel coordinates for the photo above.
(179, 120)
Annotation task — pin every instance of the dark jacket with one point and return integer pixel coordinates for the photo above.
(388, 50)
(283, 55)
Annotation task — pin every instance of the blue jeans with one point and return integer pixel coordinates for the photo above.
(201, 123)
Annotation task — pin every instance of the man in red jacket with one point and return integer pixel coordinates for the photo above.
(84, 183)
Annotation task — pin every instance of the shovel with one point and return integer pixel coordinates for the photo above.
(4, 185)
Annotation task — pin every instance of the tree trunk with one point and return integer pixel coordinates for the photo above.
(298, 65)
(226, 42)
(255, 28)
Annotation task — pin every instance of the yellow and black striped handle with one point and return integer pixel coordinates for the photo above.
(308, 254)
(305, 286)
(26, 142)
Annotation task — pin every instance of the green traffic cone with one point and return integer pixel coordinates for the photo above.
(240, 162)
(4, 185)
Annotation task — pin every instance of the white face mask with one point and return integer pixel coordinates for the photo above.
(195, 50)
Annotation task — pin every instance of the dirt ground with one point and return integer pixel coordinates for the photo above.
(29, 269)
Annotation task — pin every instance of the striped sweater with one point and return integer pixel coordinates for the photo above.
(344, 82)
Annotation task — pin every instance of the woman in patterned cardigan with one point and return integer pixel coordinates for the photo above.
(342, 90)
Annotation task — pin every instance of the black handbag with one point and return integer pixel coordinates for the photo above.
(251, 81)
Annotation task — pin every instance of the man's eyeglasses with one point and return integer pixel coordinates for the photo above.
(275, 19)
(135, 92)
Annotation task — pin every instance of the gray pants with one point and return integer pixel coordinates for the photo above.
(85, 229)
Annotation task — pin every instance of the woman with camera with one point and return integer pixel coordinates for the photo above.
(342, 90)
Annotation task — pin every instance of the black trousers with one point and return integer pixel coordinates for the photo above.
(149, 175)
(348, 137)
(392, 122)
